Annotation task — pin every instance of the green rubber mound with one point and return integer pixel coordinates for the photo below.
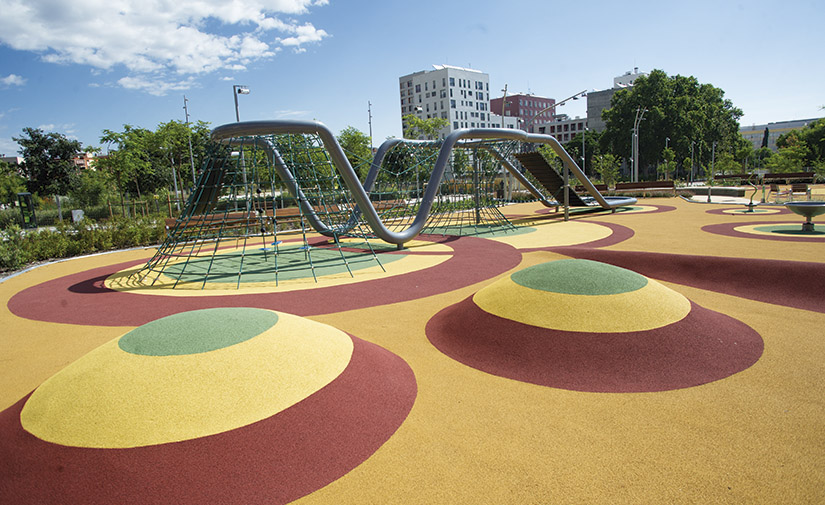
(197, 331)
(786, 229)
(579, 277)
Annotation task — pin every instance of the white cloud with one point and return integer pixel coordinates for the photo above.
(67, 129)
(304, 34)
(291, 114)
(155, 85)
(152, 38)
(9, 147)
(12, 80)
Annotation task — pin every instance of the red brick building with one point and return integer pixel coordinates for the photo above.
(531, 110)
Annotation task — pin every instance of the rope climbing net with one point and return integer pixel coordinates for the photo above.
(279, 206)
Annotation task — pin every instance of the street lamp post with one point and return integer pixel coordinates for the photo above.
(238, 89)
(584, 152)
(692, 143)
(241, 90)
(189, 136)
(640, 115)
(554, 105)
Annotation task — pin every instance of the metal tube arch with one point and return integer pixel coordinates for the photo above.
(226, 133)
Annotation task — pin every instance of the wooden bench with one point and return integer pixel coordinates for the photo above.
(646, 186)
(789, 177)
(230, 221)
(739, 178)
(238, 220)
(601, 188)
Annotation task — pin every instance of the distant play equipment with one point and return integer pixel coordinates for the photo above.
(264, 176)
(808, 210)
(752, 206)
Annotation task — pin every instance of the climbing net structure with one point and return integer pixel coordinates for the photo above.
(290, 203)
(468, 195)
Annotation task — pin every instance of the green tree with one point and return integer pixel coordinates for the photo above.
(607, 166)
(677, 107)
(809, 142)
(591, 148)
(415, 127)
(47, 163)
(669, 166)
(168, 148)
(11, 183)
(129, 163)
(787, 159)
(89, 188)
(356, 146)
(726, 164)
(460, 163)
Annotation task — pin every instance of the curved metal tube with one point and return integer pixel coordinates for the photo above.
(360, 193)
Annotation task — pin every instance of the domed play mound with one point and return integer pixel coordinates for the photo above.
(589, 326)
(225, 405)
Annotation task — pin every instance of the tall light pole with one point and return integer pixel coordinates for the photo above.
(369, 114)
(692, 143)
(241, 90)
(584, 152)
(712, 162)
(640, 115)
(238, 89)
(508, 181)
(189, 135)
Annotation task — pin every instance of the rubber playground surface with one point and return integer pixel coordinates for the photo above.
(672, 352)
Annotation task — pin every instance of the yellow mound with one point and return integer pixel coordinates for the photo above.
(114, 399)
(652, 306)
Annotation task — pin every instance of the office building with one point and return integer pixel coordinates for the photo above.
(459, 95)
(756, 133)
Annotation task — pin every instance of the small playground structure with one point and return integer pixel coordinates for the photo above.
(265, 177)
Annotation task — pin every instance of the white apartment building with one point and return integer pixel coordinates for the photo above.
(459, 95)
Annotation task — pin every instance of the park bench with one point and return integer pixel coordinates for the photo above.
(646, 186)
(737, 178)
(788, 178)
(797, 188)
(602, 188)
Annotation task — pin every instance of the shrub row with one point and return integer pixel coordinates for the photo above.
(19, 248)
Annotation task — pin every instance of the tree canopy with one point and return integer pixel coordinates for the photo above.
(47, 160)
(803, 148)
(356, 146)
(11, 183)
(677, 107)
(415, 127)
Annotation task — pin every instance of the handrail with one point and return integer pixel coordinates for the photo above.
(226, 133)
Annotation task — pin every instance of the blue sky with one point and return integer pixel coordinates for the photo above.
(80, 66)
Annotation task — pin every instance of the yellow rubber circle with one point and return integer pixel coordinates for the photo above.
(114, 399)
(652, 306)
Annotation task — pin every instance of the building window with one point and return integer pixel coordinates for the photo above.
(418, 88)
(452, 81)
(455, 123)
